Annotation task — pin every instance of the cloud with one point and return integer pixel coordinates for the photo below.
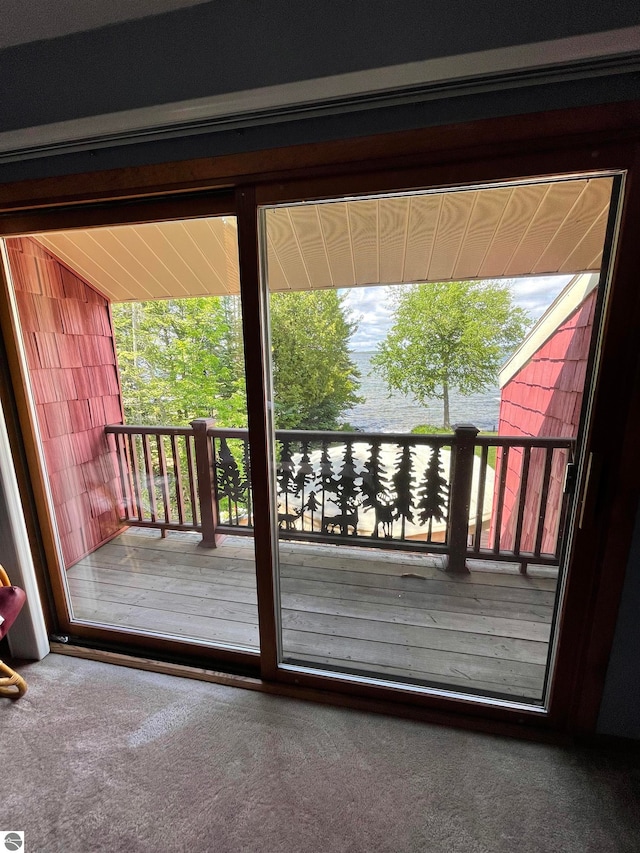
(370, 306)
(536, 294)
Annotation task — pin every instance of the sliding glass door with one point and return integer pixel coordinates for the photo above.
(432, 358)
(132, 346)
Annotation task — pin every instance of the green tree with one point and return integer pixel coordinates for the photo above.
(179, 360)
(315, 381)
(449, 335)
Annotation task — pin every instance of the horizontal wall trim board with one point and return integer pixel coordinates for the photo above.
(560, 60)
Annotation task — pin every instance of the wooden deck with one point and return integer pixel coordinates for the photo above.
(381, 613)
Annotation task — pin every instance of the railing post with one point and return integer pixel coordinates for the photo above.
(206, 480)
(460, 496)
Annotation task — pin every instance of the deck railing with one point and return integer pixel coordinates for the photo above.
(465, 495)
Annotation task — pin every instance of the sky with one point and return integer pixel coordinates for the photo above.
(371, 305)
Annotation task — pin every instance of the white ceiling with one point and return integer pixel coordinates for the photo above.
(509, 231)
(34, 20)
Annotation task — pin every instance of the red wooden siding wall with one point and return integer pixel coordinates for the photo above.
(545, 399)
(69, 344)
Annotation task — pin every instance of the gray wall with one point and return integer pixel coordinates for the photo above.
(228, 46)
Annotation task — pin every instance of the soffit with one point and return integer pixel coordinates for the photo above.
(529, 229)
(197, 257)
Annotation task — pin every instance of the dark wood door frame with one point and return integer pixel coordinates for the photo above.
(581, 140)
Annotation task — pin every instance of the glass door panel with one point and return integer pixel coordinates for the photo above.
(431, 354)
(132, 342)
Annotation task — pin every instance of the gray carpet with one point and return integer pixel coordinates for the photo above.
(103, 758)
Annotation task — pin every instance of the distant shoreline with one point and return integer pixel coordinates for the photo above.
(384, 412)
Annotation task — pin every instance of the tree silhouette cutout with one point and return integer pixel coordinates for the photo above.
(375, 492)
(305, 473)
(285, 475)
(403, 482)
(433, 492)
(346, 499)
(374, 485)
(303, 477)
(312, 506)
(327, 480)
(230, 483)
(346, 487)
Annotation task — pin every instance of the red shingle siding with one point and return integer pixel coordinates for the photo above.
(71, 357)
(544, 399)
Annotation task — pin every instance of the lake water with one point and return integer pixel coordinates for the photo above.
(395, 412)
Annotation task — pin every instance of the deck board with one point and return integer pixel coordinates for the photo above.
(391, 615)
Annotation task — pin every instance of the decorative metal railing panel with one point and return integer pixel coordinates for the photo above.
(451, 494)
(360, 486)
(232, 477)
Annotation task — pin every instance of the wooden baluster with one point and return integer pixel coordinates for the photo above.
(193, 477)
(137, 486)
(569, 487)
(477, 538)
(123, 470)
(128, 460)
(504, 470)
(164, 482)
(151, 485)
(524, 481)
(177, 473)
(542, 514)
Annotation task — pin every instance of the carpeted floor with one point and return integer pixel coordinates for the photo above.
(103, 758)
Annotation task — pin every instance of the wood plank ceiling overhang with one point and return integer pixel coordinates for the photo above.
(507, 231)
